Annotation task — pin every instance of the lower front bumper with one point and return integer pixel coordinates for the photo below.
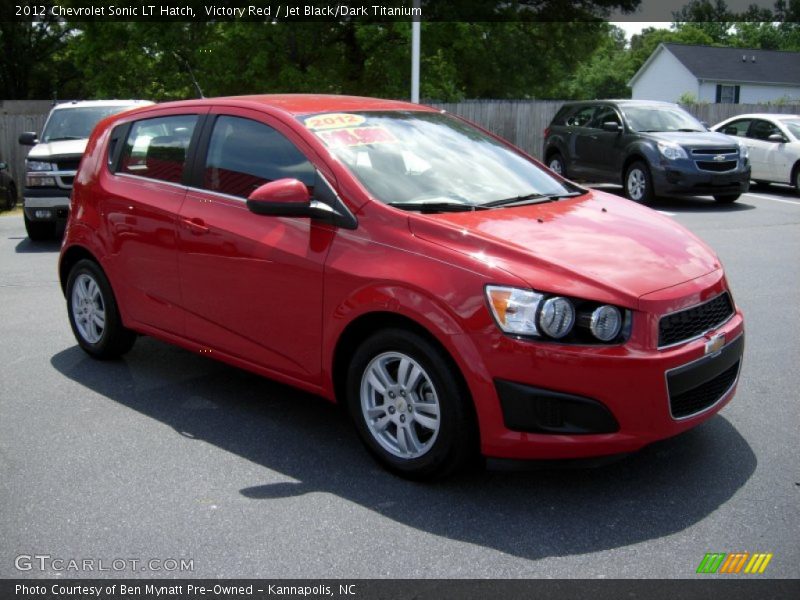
(671, 180)
(44, 205)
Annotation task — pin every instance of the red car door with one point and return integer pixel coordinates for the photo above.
(251, 285)
(143, 198)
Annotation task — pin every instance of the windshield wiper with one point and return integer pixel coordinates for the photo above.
(66, 137)
(531, 199)
(691, 130)
(436, 207)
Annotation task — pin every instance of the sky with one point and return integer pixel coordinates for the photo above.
(634, 27)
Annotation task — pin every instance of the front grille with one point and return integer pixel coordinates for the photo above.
(713, 151)
(704, 395)
(692, 322)
(716, 167)
(68, 164)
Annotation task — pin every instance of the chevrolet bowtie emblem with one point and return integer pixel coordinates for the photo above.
(715, 344)
(719, 157)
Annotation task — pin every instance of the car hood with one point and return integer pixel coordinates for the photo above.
(694, 139)
(598, 245)
(47, 150)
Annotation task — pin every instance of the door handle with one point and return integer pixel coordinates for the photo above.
(196, 226)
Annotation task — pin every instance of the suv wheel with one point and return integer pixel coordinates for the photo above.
(93, 313)
(39, 231)
(727, 198)
(409, 407)
(638, 183)
(556, 164)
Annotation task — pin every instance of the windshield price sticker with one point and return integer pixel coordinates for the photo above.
(333, 121)
(356, 136)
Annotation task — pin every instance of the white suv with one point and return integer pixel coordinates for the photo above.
(53, 160)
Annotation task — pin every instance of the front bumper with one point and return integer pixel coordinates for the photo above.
(683, 178)
(46, 204)
(636, 384)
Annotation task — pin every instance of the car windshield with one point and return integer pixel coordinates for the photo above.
(661, 118)
(76, 123)
(794, 128)
(415, 159)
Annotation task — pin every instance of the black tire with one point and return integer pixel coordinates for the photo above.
(556, 164)
(11, 198)
(455, 444)
(40, 231)
(638, 183)
(114, 339)
(796, 178)
(727, 198)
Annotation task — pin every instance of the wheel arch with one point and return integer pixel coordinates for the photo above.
(69, 258)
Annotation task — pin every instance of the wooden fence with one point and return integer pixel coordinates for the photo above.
(522, 122)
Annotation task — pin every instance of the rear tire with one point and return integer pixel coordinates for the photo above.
(410, 407)
(40, 231)
(11, 198)
(639, 183)
(93, 313)
(727, 199)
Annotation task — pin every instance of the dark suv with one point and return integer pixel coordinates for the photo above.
(651, 148)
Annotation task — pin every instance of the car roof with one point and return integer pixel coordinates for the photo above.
(304, 104)
(778, 116)
(99, 103)
(621, 102)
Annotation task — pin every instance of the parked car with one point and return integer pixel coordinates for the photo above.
(774, 145)
(651, 148)
(8, 189)
(53, 160)
(453, 294)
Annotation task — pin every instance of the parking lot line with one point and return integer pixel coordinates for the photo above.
(774, 199)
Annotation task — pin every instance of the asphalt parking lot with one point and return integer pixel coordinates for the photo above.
(169, 455)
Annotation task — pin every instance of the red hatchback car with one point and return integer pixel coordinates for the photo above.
(456, 296)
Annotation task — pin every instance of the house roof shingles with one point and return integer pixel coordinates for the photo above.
(726, 64)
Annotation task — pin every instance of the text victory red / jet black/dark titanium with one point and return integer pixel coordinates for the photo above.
(455, 295)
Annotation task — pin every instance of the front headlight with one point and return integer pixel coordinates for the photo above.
(744, 151)
(530, 313)
(514, 309)
(671, 151)
(38, 165)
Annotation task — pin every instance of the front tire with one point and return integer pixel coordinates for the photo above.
(556, 164)
(409, 406)
(40, 231)
(93, 313)
(639, 183)
(727, 198)
(11, 198)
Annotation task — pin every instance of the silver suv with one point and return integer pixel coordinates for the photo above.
(53, 160)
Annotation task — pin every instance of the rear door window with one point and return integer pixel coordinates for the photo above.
(156, 148)
(738, 128)
(582, 116)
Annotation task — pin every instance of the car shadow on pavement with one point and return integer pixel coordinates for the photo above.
(658, 491)
(26, 246)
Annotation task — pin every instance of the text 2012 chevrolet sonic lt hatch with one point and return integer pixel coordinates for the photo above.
(456, 296)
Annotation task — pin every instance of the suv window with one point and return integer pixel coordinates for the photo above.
(582, 117)
(156, 148)
(604, 114)
(245, 154)
(761, 130)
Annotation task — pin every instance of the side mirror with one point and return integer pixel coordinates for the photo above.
(3, 165)
(777, 138)
(612, 126)
(29, 138)
(281, 198)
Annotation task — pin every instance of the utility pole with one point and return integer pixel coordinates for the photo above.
(415, 38)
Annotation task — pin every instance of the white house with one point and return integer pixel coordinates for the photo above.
(722, 75)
